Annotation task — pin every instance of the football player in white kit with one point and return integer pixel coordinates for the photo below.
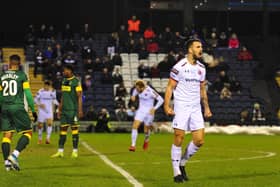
(45, 100)
(187, 83)
(145, 112)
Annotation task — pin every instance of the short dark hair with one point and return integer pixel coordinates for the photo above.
(189, 43)
(47, 82)
(15, 58)
(69, 67)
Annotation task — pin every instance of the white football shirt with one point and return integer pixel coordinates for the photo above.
(48, 98)
(188, 78)
(146, 98)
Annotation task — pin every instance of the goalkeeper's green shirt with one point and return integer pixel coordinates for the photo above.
(69, 88)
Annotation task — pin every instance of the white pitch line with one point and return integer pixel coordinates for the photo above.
(266, 155)
(107, 161)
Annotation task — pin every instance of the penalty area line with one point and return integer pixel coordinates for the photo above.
(107, 161)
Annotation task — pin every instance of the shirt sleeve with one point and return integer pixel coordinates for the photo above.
(79, 88)
(203, 74)
(134, 92)
(174, 74)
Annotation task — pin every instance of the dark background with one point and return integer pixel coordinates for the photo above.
(106, 16)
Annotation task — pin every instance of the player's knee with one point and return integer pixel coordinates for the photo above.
(63, 130)
(178, 140)
(6, 140)
(28, 134)
(75, 130)
(199, 142)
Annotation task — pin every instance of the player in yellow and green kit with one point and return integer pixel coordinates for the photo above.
(13, 86)
(70, 110)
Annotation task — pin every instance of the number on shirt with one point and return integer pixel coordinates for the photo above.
(9, 88)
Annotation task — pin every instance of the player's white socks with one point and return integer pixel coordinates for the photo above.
(191, 149)
(75, 150)
(134, 134)
(147, 136)
(49, 131)
(176, 157)
(16, 153)
(40, 132)
(60, 150)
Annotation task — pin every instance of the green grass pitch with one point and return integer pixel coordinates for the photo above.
(224, 161)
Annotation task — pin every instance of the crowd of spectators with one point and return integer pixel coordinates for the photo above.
(131, 38)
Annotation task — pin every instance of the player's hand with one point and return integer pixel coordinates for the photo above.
(169, 111)
(42, 106)
(152, 111)
(207, 113)
(34, 114)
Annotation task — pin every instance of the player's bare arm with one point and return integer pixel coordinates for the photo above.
(80, 104)
(60, 108)
(204, 99)
(168, 94)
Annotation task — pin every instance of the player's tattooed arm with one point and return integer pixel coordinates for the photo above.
(204, 98)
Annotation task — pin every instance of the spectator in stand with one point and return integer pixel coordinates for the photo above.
(133, 24)
(164, 66)
(143, 70)
(166, 39)
(106, 77)
(121, 90)
(244, 54)
(88, 66)
(91, 114)
(178, 42)
(88, 53)
(43, 32)
(119, 102)
(69, 59)
(58, 52)
(149, 33)
(131, 47)
(235, 85)
(117, 77)
(258, 117)
(180, 55)
(112, 44)
(121, 113)
(217, 86)
(142, 49)
(48, 53)
(107, 63)
(39, 60)
(68, 32)
(233, 42)
(123, 37)
(154, 71)
(117, 59)
(71, 46)
(244, 117)
(51, 33)
(152, 46)
(102, 124)
(213, 40)
(186, 32)
(226, 93)
(87, 83)
(86, 33)
(98, 65)
(223, 40)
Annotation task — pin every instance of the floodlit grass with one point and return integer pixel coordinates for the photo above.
(224, 161)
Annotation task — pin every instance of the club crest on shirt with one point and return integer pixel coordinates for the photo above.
(199, 72)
